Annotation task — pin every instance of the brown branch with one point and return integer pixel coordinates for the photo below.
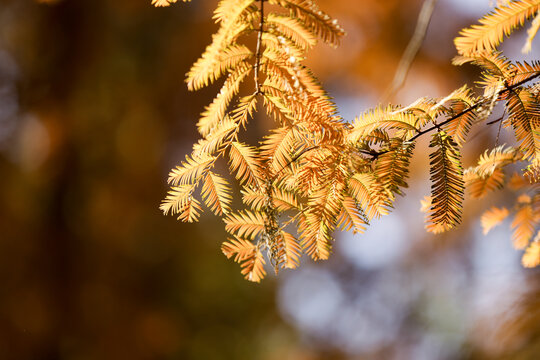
(259, 50)
(495, 121)
(466, 111)
(507, 89)
(499, 129)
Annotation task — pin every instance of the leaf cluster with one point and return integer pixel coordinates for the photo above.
(315, 172)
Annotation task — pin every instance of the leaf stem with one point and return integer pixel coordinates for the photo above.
(466, 111)
(259, 50)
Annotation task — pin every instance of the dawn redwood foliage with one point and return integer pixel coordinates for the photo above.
(315, 172)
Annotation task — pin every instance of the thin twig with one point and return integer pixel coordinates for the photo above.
(466, 111)
(259, 50)
(495, 121)
(508, 88)
(438, 126)
(414, 45)
(499, 130)
(290, 162)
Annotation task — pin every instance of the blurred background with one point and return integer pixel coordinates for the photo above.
(94, 113)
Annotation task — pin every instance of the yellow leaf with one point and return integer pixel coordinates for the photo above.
(248, 255)
(178, 198)
(365, 189)
(244, 163)
(158, 3)
(523, 226)
(313, 19)
(246, 224)
(492, 218)
(425, 204)
(502, 21)
(446, 184)
(191, 170)
(290, 250)
(239, 248)
(292, 29)
(253, 267)
(531, 258)
(352, 217)
(216, 193)
(191, 211)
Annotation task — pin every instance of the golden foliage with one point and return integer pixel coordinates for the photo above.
(369, 194)
(218, 140)
(245, 224)
(216, 111)
(191, 212)
(159, 3)
(178, 198)
(382, 119)
(245, 164)
(425, 204)
(524, 222)
(216, 193)
(315, 171)
(526, 219)
(191, 170)
(493, 217)
(524, 113)
(223, 54)
(248, 255)
(392, 167)
(496, 158)
(459, 101)
(290, 250)
(523, 71)
(280, 146)
(480, 185)
(314, 19)
(324, 205)
(352, 216)
(239, 248)
(494, 64)
(282, 200)
(531, 258)
(292, 29)
(253, 266)
(495, 25)
(446, 184)
(488, 175)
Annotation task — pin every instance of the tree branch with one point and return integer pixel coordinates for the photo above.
(466, 111)
(259, 50)
(472, 108)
